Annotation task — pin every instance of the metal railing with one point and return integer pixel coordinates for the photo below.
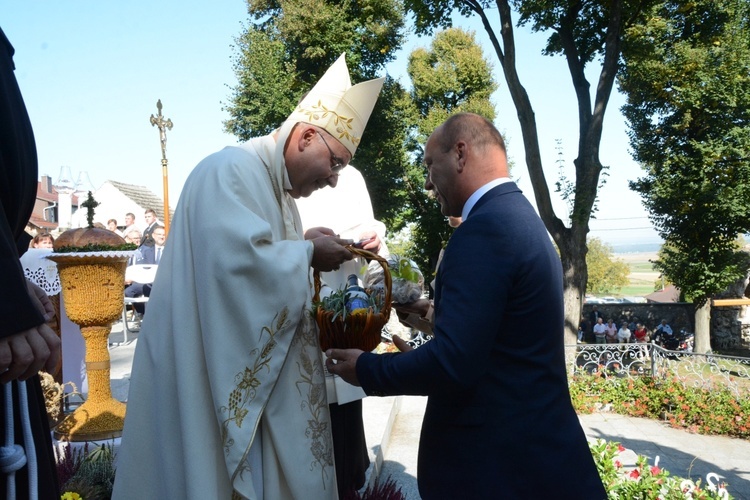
(705, 371)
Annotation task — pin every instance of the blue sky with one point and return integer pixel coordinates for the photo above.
(92, 71)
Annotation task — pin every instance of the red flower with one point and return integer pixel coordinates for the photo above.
(635, 474)
(655, 471)
(620, 448)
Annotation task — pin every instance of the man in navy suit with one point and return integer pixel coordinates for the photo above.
(147, 255)
(499, 422)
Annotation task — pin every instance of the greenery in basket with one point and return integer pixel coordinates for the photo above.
(336, 303)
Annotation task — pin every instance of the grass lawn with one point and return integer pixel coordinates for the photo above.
(642, 277)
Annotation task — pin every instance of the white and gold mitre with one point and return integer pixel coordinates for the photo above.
(338, 107)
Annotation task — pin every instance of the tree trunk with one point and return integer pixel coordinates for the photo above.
(575, 275)
(703, 328)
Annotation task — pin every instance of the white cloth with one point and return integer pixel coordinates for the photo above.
(347, 210)
(43, 272)
(228, 354)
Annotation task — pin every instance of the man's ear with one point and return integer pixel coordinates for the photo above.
(306, 135)
(460, 150)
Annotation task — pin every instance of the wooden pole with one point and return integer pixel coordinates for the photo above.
(163, 125)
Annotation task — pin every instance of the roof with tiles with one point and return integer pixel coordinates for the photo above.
(142, 196)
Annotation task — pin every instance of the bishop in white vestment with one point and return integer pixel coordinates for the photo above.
(227, 397)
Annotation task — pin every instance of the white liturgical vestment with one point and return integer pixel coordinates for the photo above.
(228, 358)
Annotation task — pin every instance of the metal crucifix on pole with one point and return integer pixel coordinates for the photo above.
(163, 125)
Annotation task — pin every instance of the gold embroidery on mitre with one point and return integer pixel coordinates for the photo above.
(319, 112)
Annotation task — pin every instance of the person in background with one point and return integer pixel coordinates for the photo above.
(583, 327)
(498, 410)
(43, 240)
(624, 334)
(641, 334)
(130, 223)
(146, 256)
(600, 331)
(112, 226)
(641, 337)
(27, 343)
(229, 336)
(357, 222)
(663, 329)
(134, 237)
(611, 331)
(594, 315)
(153, 222)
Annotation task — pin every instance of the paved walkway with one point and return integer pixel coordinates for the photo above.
(393, 426)
(680, 452)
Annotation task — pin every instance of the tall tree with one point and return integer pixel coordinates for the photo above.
(687, 81)
(450, 76)
(582, 31)
(286, 48)
(606, 273)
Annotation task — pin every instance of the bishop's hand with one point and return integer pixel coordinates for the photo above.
(329, 253)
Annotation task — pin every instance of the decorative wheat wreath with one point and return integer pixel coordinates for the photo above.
(355, 331)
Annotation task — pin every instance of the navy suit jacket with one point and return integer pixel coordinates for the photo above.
(499, 422)
(147, 256)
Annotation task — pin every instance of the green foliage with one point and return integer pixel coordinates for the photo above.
(289, 45)
(93, 473)
(582, 32)
(687, 81)
(606, 274)
(450, 76)
(644, 481)
(711, 410)
(95, 247)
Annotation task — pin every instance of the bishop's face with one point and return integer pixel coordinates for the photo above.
(317, 164)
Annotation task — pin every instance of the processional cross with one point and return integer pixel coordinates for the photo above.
(163, 125)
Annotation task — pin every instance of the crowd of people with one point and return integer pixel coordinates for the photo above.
(595, 329)
(228, 389)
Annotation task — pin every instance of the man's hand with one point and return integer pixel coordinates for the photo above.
(371, 241)
(345, 365)
(317, 232)
(419, 306)
(23, 354)
(329, 253)
(402, 345)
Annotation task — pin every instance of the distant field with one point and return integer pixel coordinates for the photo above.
(642, 274)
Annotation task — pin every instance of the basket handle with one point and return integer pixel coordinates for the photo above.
(367, 255)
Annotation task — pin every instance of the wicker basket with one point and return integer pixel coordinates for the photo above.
(359, 331)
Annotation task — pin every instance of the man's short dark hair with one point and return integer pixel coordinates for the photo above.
(472, 128)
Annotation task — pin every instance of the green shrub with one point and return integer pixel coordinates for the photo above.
(706, 411)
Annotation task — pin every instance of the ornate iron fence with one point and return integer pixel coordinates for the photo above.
(638, 360)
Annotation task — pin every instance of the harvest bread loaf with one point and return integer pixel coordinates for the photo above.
(88, 236)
